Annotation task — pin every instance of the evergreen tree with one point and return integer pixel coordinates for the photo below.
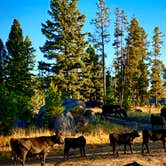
(18, 71)
(157, 89)
(3, 58)
(101, 36)
(21, 62)
(92, 85)
(135, 80)
(66, 45)
(119, 63)
(53, 104)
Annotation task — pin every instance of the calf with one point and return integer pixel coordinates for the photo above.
(157, 121)
(79, 142)
(163, 112)
(154, 135)
(125, 138)
(113, 109)
(22, 147)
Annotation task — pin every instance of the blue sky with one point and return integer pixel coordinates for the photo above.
(31, 13)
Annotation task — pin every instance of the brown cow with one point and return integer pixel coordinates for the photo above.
(124, 138)
(154, 135)
(79, 142)
(22, 147)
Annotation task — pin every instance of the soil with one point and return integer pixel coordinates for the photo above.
(101, 154)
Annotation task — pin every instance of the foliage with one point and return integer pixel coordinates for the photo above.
(136, 75)
(119, 45)
(11, 104)
(91, 88)
(21, 61)
(157, 89)
(101, 36)
(65, 44)
(3, 58)
(53, 103)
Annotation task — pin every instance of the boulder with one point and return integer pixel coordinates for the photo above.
(73, 103)
(40, 116)
(64, 122)
(86, 118)
(18, 123)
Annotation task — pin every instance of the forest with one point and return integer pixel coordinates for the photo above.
(73, 64)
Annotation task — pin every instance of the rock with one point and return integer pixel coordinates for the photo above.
(73, 103)
(18, 123)
(64, 122)
(40, 116)
(86, 118)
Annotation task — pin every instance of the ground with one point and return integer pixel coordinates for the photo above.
(101, 154)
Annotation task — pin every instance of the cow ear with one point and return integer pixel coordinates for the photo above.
(57, 132)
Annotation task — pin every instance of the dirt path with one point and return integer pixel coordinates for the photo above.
(101, 155)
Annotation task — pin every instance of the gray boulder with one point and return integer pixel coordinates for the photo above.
(86, 118)
(64, 122)
(73, 103)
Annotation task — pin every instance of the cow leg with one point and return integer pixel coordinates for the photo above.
(24, 158)
(164, 144)
(125, 148)
(131, 148)
(43, 158)
(66, 153)
(147, 147)
(115, 151)
(81, 151)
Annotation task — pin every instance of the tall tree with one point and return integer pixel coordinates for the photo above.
(3, 58)
(101, 36)
(119, 63)
(136, 47)
(66, 45)
(21, 63)
(19, 81)
(157, 89)
(92, 85)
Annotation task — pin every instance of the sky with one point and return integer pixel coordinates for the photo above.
(32, 13)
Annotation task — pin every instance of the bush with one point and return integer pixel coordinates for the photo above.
(53, 104)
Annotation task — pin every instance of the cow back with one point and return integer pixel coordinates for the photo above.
(109, 109)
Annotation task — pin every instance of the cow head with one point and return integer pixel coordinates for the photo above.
(135, 134)
(57, 138)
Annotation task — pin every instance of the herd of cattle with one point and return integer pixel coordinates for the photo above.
(23, 148)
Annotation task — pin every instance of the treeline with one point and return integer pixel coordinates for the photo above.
(74, 64)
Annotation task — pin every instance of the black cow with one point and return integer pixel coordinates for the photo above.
(108, 109)
(79, 142)
(157, 120)
(124, 138)
(154, 135)
(163, 112)
(23, 147)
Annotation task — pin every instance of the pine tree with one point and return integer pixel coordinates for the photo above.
(65, 45)
(92, 85)
(21, 62)
(157, 89)
(3, 58)
(119, 63)
(18, 71)
(101, 36)
(135, 80)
